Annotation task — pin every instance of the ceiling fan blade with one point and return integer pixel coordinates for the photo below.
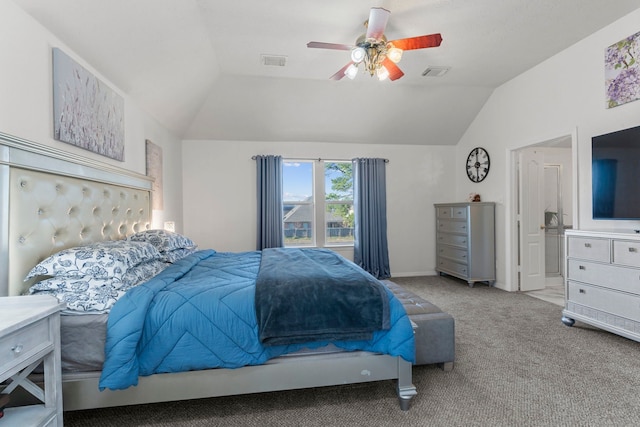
(420, 42)
(336, 46)
(340, 73)
(394, 71)
(378, 18)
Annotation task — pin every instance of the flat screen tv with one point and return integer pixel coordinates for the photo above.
(615, 173)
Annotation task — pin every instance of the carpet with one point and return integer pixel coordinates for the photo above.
(516, 365)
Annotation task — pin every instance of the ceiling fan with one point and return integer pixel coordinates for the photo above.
(378, 56)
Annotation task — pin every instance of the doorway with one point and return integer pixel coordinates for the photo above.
(543, 209)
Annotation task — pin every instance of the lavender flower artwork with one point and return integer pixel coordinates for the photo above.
(622, 71)
(86, 112)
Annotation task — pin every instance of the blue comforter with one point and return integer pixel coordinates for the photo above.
(199, 313)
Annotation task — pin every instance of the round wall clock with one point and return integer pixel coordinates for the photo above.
(478, 164)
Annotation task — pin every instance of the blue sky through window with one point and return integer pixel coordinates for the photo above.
(297, 180)
(297, 177)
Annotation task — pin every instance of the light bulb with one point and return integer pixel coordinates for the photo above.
(358, 54)
(394, 54)
(351, 71)
(382, 73)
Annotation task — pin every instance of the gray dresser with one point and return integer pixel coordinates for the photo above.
(465, 241)
(602, 284)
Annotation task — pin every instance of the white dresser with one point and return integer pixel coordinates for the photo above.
(602, 284)
(465, 241)
(29, 335)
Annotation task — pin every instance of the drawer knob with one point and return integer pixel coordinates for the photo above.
(582, 267)
(587, 245)
(633, 250)
(582, 291)
(17, 349)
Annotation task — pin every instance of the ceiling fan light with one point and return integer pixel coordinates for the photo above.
(351, 71)
(394, 54)
(358, 54)
(382, 73)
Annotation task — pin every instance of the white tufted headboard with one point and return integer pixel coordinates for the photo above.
(52, 201)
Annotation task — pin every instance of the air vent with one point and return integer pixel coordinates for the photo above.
(435, 71)
(274, 60)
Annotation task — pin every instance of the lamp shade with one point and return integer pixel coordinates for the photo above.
(351, 71)
(394, 54)
(358, 54)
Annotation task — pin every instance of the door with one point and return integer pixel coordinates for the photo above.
(531, 208)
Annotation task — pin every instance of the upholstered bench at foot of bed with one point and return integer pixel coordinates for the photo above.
(435, 332)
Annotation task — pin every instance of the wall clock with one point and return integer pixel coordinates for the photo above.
(478, 164)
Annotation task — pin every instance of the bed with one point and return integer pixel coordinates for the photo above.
(54, 200)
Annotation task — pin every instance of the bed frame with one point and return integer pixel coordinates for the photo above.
(51, 200)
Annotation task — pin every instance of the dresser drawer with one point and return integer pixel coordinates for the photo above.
(452, 239)
(452, 267)
(626, 252)
(452, 226)
(605, 275)
(618, 303)
(22, 344)
(444, 212)
(456, 254)
(589, 248)
(459, 212)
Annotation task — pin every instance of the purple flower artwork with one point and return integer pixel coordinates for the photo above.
(622, 71)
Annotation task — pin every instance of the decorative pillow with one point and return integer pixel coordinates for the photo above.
(141, 273)
(177, 254)
(83, 294)
(163, 240)
(101, 260)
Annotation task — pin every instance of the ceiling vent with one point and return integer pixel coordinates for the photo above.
(435, 71)
(274, 60)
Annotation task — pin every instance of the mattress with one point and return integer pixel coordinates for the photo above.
(82, 340)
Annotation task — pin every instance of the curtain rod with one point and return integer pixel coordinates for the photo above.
(316, 159)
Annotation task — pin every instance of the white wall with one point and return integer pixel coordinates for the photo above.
(26, 105)
(220, 193)
(562, 96)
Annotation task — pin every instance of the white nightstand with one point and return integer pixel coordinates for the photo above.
(30, 334)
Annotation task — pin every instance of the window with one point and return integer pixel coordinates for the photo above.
(338, 198)
(327, 197)
(298, 203)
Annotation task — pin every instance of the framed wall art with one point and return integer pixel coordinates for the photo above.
(86, 112)
(154, 170)
(622, 71)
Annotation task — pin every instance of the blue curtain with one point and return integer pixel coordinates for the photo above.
(269, 183)
(371, 251)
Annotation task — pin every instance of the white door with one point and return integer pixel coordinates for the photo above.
(531, 191)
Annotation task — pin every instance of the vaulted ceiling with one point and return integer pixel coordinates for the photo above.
(195, 65)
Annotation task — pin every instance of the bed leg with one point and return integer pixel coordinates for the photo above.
(406, 389)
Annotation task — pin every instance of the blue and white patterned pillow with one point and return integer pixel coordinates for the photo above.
(142, 272)
(89, 294)
(83, 294)
(177, 254)
(102, 260)
(163, 240)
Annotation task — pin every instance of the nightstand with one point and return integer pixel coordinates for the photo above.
(29, 335)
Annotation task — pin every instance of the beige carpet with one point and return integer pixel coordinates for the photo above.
(516, 365)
